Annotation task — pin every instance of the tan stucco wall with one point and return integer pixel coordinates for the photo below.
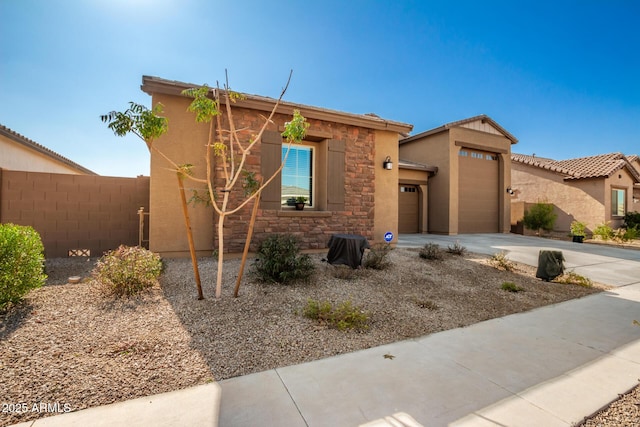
(434, 151)
(386, 188)
(14, 156)
(183, 143)
(621, 179)
(579, 200)
(441, 150)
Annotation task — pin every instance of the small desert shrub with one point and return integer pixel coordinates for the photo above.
(604, 231)
(540, 216)
(280, 261)
(500, 261)
(578, 228)
(378, 257)
(511, 287)
(343, 272)
(344, 316)
(625, 234)
(456, 249)
(572, 278)
(425, 303)
(430, 251)
(632, 220)
(127, 270)
(21, 262)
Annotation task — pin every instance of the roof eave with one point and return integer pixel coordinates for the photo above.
(26, 142)
(151, 85)
(457, 123)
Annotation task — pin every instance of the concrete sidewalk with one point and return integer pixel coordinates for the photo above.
(194, 406)
(549, 367)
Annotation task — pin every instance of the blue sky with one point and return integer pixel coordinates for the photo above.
(563, 77)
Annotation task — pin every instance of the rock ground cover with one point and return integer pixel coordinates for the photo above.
(69, 344)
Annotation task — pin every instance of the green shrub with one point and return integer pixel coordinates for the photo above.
(540, 216)
(127, 270)
(604, 231)
(21, 262)
(378, 257)
(344, 316)
(572, 278)
(625, 234)
(430, 251)
(511, 287)
(632, 220)
(456, 249)
(280, 261)
(578, 228)
(501, 262)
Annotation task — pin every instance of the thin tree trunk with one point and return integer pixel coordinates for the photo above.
(192, 249)
(247, 243)
(220, 255)
(221, 218)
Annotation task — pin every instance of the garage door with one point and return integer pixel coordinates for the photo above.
(408, 210)
(478, 192)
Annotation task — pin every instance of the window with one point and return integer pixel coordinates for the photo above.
(618, 197)
(297, 175)
(491, 157)
(463, 153)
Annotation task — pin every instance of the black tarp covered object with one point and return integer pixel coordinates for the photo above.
(346, 249)
(550, 265)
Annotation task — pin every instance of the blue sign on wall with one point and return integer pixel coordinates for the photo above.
(388, 236)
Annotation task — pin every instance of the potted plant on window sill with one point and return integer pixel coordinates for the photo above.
(300, 202)
(578, 231)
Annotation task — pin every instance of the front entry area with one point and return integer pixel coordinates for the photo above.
(408, 209)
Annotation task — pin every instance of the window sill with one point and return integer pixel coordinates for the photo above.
(303, 213)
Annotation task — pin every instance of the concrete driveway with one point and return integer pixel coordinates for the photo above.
(604, 264)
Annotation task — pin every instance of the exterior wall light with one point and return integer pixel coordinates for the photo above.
(510, 191)
(387, 164)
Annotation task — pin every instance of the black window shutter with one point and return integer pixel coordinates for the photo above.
(335, 175)
(271, 158)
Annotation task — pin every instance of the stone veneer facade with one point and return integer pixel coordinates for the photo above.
(354, 193)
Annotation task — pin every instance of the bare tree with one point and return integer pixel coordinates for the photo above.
(229, 149)
(148, 125)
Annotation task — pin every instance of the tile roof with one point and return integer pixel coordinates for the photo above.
(600, 166)
(21, 139)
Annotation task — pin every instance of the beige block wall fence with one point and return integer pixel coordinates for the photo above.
(72, 212)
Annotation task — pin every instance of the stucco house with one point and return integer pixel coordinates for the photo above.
(342, 167)
(19, 153)
(468, 168)
(593, 190)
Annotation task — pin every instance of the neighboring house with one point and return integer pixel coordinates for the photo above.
(468, 179)
(339, 166)
(22, 154)
(593, 190)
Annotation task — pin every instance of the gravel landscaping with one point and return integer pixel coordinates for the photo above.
(71, 347)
